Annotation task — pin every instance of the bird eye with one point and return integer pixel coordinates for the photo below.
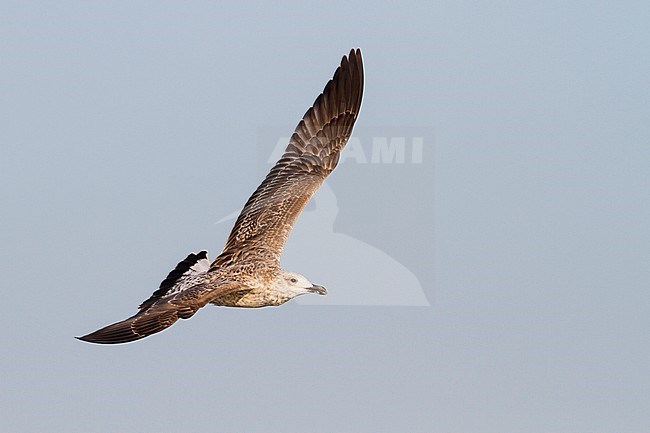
(293, 280)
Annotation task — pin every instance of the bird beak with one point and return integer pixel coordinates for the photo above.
(319, 290)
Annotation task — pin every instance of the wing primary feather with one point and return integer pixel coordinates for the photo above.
(134, 328)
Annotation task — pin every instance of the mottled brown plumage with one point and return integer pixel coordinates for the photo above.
(247, 273)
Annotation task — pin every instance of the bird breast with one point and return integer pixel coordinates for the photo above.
(255, 298)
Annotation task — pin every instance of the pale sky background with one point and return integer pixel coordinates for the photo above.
(130, 128)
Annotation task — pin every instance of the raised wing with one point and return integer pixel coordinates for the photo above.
(313, 152)
(180, 296)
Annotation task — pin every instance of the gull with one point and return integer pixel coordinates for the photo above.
(247, 273)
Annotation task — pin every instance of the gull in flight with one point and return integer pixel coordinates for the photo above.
(247, 273)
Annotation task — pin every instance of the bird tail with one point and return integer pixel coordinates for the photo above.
(134, 328)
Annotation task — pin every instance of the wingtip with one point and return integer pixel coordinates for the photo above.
(354, 53)
(116, 333)
(98, 337)
(136, 327)
(87, 339)
(354, 63)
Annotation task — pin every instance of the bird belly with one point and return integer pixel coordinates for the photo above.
(250, 299)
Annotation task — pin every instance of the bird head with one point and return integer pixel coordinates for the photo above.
(293, 284)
